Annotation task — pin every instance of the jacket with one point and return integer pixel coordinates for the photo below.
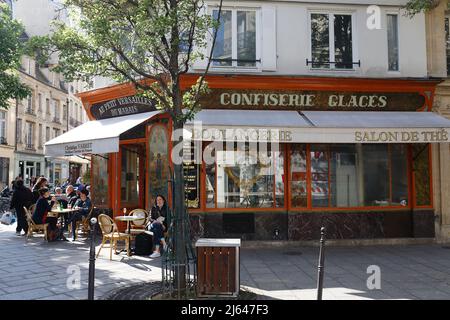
(158, 212)
(22, 197)
(43, 206)
(85, 206)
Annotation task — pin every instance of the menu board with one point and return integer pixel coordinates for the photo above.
(191, 177)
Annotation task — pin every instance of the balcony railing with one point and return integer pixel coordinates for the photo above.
(74, 123)
(29, 146)
(3, 140)
(30, 111)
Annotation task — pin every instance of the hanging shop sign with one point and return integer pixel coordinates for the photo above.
(122, 107)
(312, 100)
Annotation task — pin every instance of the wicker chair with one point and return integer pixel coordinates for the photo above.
(32, 226)
(111, 233)
(138, 226)
(82, 225)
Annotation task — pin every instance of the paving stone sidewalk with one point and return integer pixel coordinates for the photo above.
(35, 269)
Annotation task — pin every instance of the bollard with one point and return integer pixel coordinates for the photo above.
(92, 261)
(321, 264)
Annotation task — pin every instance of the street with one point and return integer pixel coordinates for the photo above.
(35, 269)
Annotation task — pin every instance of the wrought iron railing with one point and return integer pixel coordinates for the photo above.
(3, 140)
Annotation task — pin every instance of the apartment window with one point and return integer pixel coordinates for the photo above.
(57, 111)
(2, 127)
(55, 132)
(19, 131)
(47, 134)
(331, 41)
(392, 30)
(40, 102)
(65, 112)
(47, 106)
(236, 38)
(29, 138)
(30, 103)
(41, 135)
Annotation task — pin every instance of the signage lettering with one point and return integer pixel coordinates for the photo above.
(122, 107)
(78, 148)
(311, 100)
(401, 136)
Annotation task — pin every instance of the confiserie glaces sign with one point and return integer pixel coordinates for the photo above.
(122, 107)
(312, 100)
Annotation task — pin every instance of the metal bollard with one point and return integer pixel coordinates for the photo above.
(91, 284)
(321, 266)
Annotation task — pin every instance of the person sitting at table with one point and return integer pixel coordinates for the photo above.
(71, 195)
(61, 198)
(40, 216)
(40, 183)
(83, 206)
(158, 225)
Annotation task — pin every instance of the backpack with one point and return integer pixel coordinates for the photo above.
(143, 244)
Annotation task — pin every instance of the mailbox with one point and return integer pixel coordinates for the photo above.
(218, 267)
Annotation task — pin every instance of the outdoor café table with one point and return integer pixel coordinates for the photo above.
(128, 219)
(58, 212)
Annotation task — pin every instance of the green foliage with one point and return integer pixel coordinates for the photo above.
(414, 7)
(11, 50)
(133, 40)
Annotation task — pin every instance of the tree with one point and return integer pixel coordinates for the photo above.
(414, 7)
(149, 43)
(11, 49)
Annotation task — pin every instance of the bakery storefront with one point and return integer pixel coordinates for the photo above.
(273, 158)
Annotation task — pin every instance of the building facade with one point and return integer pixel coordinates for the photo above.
(344, 91)
(50, 111)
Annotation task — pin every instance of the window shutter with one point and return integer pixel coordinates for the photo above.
(269, 39)
(202, 63)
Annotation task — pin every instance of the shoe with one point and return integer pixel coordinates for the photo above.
(155, 255)
(18, 234)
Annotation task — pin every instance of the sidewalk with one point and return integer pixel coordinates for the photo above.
(36, 269)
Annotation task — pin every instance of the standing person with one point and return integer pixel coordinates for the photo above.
(84, 206)
(22, 197)
(40, 183)
(158, 218)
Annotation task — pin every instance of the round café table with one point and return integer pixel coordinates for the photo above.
(128, 220)
(58, 212)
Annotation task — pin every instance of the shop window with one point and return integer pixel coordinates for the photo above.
(331, 41)
(100, 195)
(349, 175)
(399, 173)
(4, 171)
(245, 176)
(376, 174)
(129, 185)
(344, 173)
(235, 44)
(421, 170)
(298, 176)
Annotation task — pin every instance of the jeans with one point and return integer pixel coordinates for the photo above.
(158, 232)
(76, 217)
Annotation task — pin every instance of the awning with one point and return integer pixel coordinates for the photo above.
(99, 136)
(320, 126)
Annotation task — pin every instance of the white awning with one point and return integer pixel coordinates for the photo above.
(320, 126)
(99, 136)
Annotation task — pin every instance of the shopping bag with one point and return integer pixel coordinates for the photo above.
(8, 218)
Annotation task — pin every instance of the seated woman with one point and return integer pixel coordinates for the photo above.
(158, 225)
(84, 206)
(40, 216)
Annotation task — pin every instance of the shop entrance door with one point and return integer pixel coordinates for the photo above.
(29, 172)
(132, 176)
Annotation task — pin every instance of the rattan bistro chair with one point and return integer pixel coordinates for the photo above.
(32, 226)
(111, 233)
(138, 226)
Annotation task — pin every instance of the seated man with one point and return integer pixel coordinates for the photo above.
(83, 205)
